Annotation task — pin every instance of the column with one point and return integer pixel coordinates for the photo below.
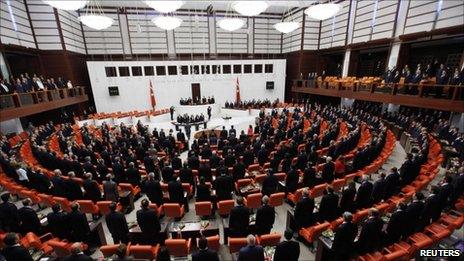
(11, 126)
(346, 63)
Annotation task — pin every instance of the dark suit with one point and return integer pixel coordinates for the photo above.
(203, 193)
(432, 209)
(291, 181)
(117, 225)
(270, 185)
(176, 192)
(133, 176)
(369, 239)
(265, 217)
(392, 183)
(59, 187)
(74, 190)
(153, 191)
(304, 216)
(347, 200)
(29, 220)
(328, 210)
(92, 190)
(16, 253)
(149, 224)
(363, 198)
(287, 251)
(414, 211)
(343, 241)
(9, 219)
(378, 190)
(79, 226)
(205, 255)
(328, 172)
(239, 219)
(58, 224)
(397, 226)
(251, 253)
(224, 186)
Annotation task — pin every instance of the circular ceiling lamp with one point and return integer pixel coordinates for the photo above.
(250, 8)
(96, 21)
(322, 11)
(167, 22)
(286, 27)
(231, 24)
(164, 6)
(66, 5)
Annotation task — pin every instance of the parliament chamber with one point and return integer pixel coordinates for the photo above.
(232, 130)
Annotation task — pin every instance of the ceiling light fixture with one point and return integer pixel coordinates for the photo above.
(231, 24)
(95, 18)
(286, 27)
(322, 11)
(164, 6)
(66, 5)
(250, 8)
(167, 22)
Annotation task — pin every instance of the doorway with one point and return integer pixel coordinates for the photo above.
(196, 95)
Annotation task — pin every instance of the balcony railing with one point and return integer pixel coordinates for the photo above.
(425, 94)
(23, 104)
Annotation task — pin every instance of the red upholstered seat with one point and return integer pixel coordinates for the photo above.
(179, 247)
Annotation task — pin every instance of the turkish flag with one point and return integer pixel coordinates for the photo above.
(152, 97)
(237, 92)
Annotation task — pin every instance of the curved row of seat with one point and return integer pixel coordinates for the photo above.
(427, 173)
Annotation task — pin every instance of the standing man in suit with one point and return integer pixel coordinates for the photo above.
(91, 188)
(110, 189)
(414, 213)
(392, 183)
(371, 232)
(208, 110)
(251, 252)
(203, 253)
(363, 197)
(304, 216)
(152, 189)
(176, 193)
(73, 189)
(117, 225)
(13, 250)
(58, 222)
(171, 111)
(80, 229)
(378, 190)
(328, 210)
(224, 185)
(28, 217)
(133, 174)
(239, 219)
(265, 217)
(328, 171)
(148, 221)
(432, 208)
(270, 184)
(343, 242)
(9, 219)
(347, 200)
(287, 250)
(398, 224)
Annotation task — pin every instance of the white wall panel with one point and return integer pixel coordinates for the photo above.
(266, 38)
(45, 26)
(311, 34)
(421, 16)
(291, 42)
(72, 33)
(107, 41)
(192, 36)
(333, 30)
(232, 42)
(374, 20)
(19, 33)
(451, 14)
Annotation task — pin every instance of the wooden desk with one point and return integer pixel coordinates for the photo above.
(192, 229)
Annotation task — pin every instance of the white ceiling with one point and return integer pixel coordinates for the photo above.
(274, 6)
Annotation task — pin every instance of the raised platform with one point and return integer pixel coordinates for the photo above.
(197, 109)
